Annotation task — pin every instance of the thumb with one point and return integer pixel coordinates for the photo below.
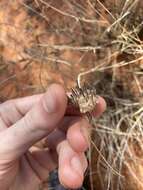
(36, 124)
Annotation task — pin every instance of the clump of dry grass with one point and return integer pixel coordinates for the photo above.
(118, 138)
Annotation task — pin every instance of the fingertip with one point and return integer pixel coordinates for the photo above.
(78, 137)
(71, 166)
(58, 89)
(69, 178)
(100, 107)
(102, 103)
(55, 98)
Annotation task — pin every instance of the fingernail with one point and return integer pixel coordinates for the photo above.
(77, 165)
(50, 103)
(85, 130)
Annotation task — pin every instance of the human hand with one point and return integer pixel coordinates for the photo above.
(42, 118)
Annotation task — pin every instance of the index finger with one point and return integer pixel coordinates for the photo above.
(13, 110)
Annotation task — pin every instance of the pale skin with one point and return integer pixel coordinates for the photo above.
(24, 163)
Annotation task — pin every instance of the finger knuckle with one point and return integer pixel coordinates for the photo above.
(4, 110)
